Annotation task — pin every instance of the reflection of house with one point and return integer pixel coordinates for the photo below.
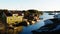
(13, 17)
(2, 28)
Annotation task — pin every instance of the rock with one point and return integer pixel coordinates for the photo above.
(49, 27)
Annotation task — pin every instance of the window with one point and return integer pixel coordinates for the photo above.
(15, 14)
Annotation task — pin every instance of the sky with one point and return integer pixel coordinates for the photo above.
(42, 5)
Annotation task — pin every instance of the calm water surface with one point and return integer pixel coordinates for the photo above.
(28, 29)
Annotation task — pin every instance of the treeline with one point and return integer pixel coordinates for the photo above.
(31, 11)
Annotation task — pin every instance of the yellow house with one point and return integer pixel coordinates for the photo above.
(13, 17)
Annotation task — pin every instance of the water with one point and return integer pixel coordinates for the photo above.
(28, 29)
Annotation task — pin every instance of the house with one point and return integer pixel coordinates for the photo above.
(12, 17)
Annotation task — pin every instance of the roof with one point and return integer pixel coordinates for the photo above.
(10, 13)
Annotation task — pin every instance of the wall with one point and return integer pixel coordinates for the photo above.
(13, 19)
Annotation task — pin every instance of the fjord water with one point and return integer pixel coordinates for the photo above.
(28, 29)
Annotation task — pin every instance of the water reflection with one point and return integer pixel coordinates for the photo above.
(28, 29)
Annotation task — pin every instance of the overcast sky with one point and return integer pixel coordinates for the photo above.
(43, 5)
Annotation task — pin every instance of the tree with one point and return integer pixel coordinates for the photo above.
(32, 11)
